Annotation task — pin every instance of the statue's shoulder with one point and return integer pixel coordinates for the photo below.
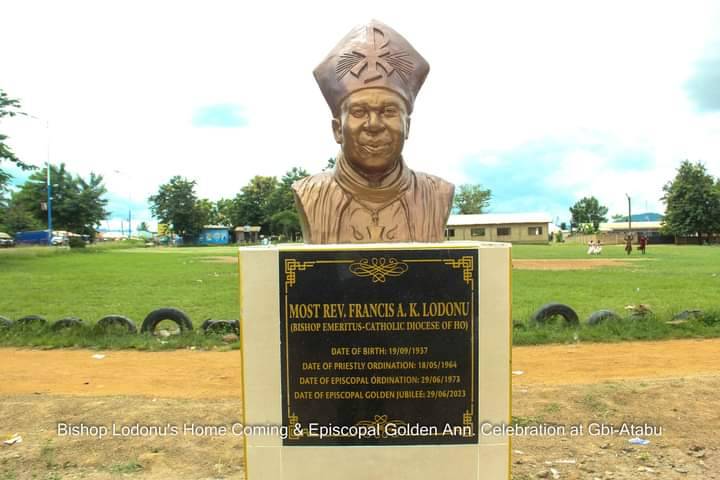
(314, 184)
(318, 199)
(439, 187)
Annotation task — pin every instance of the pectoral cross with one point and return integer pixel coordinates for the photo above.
(375, 231)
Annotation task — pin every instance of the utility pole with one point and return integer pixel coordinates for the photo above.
(129, 217)
(629, 214)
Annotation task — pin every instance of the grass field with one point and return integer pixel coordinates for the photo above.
(669, 278)
(95, 282)
(98, 281)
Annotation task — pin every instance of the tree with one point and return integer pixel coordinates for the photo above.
(16, 218)
(78, 205)
(281, 207)
(9, 107)
(143, 227)
(86, 209)
(330, 164)
(176, 204)
(252, 204)
(588, 212)
(283, 198)
(225, 208)
(209, 212)
(285, 223)
(692, 201)
(471, 199)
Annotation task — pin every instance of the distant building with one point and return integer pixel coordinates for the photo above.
(646, 228)
(644, 217)
(110, 236)
(214, 235)
(247, 234)
(652, 230)
(500, 227)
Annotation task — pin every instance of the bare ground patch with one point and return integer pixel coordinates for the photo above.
(672, 385)
(683, 408)
(580, 264)
(46, 454)
(219, 259)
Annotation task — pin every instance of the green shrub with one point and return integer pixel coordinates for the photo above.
(76, 242)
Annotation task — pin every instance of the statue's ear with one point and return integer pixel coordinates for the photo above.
(337, 130)
(407, 128)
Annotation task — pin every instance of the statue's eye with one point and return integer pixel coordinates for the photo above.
(357, 112)
(390, 111)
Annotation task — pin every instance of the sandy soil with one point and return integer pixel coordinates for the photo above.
(217, 374)
(219, 259)
(176, 374)
(669, 384)
(582, 264)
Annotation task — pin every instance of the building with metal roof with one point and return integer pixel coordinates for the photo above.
(500, 227)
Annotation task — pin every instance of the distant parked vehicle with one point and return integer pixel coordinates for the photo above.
(58, 240)
(35, 237)
(6, 241)
(40, 237)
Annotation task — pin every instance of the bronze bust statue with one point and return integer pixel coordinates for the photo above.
(370, 81)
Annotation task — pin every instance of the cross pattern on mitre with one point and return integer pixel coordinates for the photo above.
(374, 59)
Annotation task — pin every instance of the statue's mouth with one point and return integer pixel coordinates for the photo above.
(376, 149)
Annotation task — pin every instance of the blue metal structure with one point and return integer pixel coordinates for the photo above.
(213, 235)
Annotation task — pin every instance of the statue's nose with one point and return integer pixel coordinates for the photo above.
(374, 122)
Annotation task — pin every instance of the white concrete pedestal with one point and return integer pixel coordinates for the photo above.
(262, 281)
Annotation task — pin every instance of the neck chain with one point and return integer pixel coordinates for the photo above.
(375, 212)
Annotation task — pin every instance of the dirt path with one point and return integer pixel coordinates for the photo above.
(579, 264)
(176, 374)
(193, 374)
(671, 384)
(598, 362)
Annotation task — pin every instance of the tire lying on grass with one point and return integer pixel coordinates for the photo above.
(550, 310)
(204, 325)
(110, 321)
(67, 322)
(157, 316)
(5, 323)
(602, 315)
(221, 326)
(688, 315)
(31, 321)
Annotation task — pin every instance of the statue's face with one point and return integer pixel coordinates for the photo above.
(372, 129)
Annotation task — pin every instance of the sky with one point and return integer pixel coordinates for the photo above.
(541, 102)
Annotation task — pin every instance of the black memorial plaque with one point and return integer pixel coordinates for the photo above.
(379, 347)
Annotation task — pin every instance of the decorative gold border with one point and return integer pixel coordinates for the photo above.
(291, 266)
(381, 422)
(466, 263)
(379, 269)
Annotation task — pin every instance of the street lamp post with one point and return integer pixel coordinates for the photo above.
(49, 202)
(49, 180)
